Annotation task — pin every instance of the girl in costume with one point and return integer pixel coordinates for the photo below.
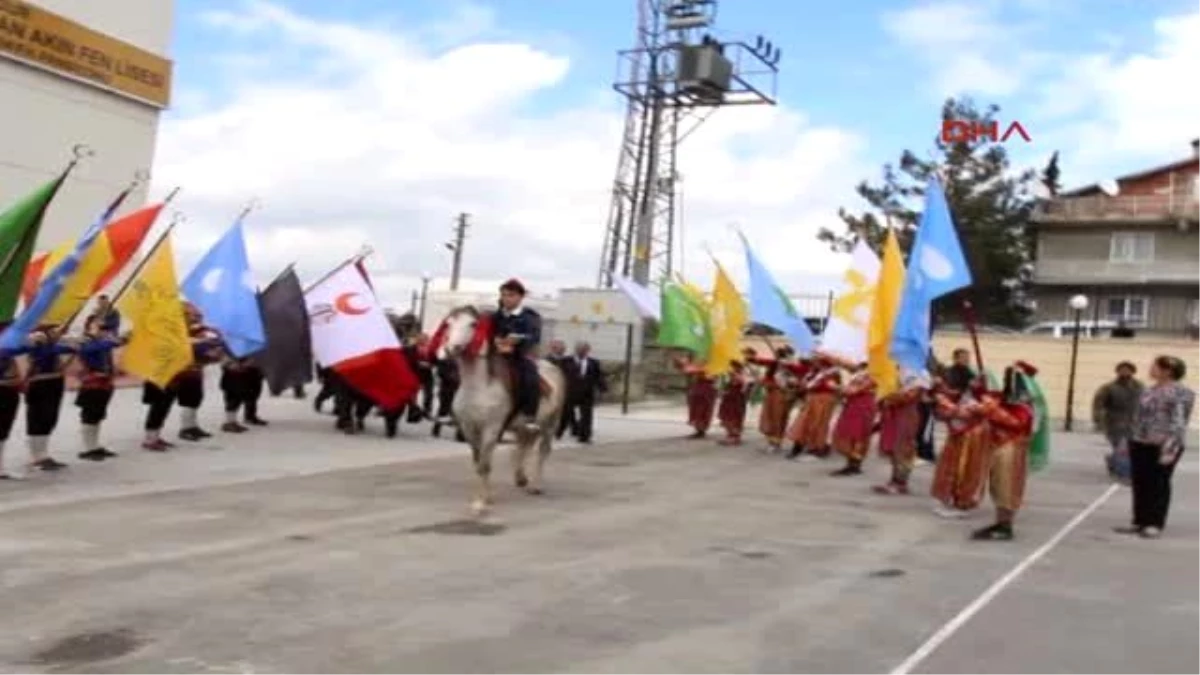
(852, 433)
(809, 433)
(899, 428)
(701, 395)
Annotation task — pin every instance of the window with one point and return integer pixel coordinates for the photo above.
(1132, 309)
(1131, 247)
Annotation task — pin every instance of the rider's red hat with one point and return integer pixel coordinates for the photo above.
(513, 285)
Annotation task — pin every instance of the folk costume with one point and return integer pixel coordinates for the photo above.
(778, 382)
(735, 395)
(701, 396)
(961, 469)
(899, 429)
(10, 396)
(518, 332)
(45, 385)
(189, 384)
(855, 425)
(1011, 420)
(236, 389)
(809, 433)
(95, 353)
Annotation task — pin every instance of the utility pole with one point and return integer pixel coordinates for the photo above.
(456, 247)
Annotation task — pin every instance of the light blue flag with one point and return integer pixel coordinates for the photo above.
(222, 288)
(770, 306)
(936, 266)
(53, 283)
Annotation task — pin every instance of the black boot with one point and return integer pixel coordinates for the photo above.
(995, 532)
(796, 451)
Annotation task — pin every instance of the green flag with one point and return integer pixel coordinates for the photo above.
(684, 323)
(19, 226)
(1039, 443)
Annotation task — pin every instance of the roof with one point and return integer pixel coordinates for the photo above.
(1164, 168)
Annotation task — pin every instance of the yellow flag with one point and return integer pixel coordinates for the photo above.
(160, 346)
(884, 309)
(727, 317)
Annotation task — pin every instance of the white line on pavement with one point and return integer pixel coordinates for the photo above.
(951, 627)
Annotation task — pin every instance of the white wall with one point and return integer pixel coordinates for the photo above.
(43, 115)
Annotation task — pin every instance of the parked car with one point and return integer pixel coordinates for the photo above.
(1061, 329)
(981, 329)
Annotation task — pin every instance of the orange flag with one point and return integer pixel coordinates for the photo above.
(105, 259)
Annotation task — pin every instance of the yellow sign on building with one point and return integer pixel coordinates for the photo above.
(44, 39)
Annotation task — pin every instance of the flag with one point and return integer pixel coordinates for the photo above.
(727, 318)
(222, 287)
(845, 334)
(1039, 443)
(105, 259)
(684, 323)
(287, 360)
(19, 226)
(647, 303)
(351, 335)
(883, 316)
(52, 286)
(770, 306)
(160, 346)
(936, 266)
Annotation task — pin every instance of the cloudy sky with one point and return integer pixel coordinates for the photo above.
(376, 121)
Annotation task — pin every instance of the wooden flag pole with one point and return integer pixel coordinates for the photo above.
(137, 270)
(969, 322)
(290, 266)
(363, 253)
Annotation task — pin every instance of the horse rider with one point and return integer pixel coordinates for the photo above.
(518, 331)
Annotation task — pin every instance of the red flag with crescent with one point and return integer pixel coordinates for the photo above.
(351, 334)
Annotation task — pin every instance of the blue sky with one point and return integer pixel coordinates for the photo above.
(870, 73)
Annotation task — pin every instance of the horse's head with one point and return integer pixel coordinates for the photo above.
(463, 333)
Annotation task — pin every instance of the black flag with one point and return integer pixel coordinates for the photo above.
(287, 361)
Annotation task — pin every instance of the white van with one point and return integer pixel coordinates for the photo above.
(1061, 329)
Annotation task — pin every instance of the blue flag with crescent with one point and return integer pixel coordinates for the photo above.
(936, 266)
(222, 287)
(770, 306)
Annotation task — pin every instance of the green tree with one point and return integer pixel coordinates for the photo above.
(991, 206)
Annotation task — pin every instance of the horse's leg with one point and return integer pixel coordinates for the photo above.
(545, 441)
(519, 454)
(483, 470)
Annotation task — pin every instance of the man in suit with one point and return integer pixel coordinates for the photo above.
(584, 381)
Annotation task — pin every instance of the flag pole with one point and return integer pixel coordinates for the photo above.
(175, 220)
(969, 322)
(363, 253)
(282, 274)
(78, 153)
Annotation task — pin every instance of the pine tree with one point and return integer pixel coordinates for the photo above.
(991, 208)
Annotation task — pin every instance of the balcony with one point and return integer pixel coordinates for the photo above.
(1124, 209)
(1103, 272)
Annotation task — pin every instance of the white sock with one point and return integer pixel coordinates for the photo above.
(91, 436)
(231, 416)
(38, 448)
(187, 418)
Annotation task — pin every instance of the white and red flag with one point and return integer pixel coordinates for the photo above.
(352, 336)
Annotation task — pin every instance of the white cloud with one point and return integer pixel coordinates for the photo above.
(966, 45)
(386, 138)
(1123, 114)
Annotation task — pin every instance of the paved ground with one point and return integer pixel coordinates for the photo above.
(296, 550)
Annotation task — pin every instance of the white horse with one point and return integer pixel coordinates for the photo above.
(484, 404)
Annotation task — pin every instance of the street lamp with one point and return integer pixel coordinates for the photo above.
(1077, 303)
(425, 279)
